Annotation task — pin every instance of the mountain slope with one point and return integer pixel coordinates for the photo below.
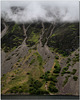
(40, 58)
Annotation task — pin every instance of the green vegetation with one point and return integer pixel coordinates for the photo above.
(49, 77)
(68, 64)
(52, 88)
(52, 77)
(66, 39)
(35, 87)
(75, 78)
(39, 58)
(28, 75)
(13, 38)
(33, 35)
(66, 80)
(33, 39)
(65, 70)
(56, 57)
(68, 60)
(44, 41)
(73, 71)
(57, 67)
(19, 89)
(46, 76)
(75, 59)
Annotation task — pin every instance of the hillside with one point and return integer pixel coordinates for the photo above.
(40, 58)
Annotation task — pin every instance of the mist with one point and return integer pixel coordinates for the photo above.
(46, 11)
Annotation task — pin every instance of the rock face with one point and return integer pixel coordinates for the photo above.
(40, 58)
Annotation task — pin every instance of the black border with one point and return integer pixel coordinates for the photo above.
(27, 97)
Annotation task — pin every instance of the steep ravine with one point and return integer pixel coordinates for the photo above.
(44, 50)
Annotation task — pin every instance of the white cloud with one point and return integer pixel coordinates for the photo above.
(41, 10)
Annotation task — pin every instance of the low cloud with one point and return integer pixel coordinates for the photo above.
(47, 11)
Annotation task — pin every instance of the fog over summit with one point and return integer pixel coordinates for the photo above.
(47, 11)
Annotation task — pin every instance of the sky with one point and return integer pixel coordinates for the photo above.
(47, 11)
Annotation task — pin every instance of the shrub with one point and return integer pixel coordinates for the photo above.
(68, 60)
(75, 78)
(34, 87)
(41, 92)
(74, 71)
(12, 75)
(20, 91)
(32, 90)
(56, 75)
(66, 80)
(28, 73)
(62, 73)
(48, 72)
(64, 70)
(68, 72)
(75, 59)
(65, 53)
(57, 69)
(55, 66)
(52, 83)
(53, 78)
(37, 84)
(42, 77)
(46, 77)
(68, 64)
(49, 77)
(19, 60)
(52, 88)
(19, 66)
(14, 89)
(56, 57)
